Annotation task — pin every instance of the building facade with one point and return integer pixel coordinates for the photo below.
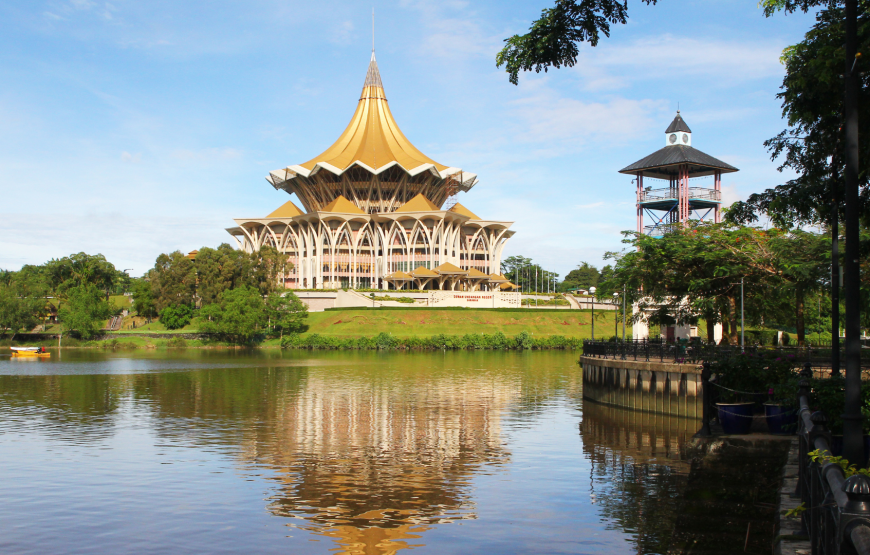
(378, 213)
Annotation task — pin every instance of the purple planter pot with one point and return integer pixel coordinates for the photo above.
(736, 418)
(780, 420)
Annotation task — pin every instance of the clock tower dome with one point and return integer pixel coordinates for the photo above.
(678, 133)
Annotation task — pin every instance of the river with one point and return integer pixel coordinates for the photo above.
(201, 451)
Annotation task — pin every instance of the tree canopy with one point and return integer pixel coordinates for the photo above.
(552, 40)
(812, 104)
(696, 272)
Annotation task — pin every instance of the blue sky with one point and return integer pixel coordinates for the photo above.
(133, 128)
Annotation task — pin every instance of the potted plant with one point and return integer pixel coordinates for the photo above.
(744, 381)
(780, 410)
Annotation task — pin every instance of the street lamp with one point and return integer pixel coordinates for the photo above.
(616, 315)
(592, 292)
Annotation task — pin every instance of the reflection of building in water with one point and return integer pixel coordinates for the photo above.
(372, 464)
(639, 461)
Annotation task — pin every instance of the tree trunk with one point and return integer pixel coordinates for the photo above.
(711, 329)
(725, 334)
(732, 317)
(799, 295)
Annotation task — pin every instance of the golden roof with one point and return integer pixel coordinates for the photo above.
(372, 137)
(423, 272)
(418, 204)
(459, 209)
(343, 206)
(496, 278)
(476, 274)
(508, 285)
(192, 255)
(448, 268)
(398, 276)
(286, 210)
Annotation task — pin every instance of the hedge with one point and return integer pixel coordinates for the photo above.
(385, 341)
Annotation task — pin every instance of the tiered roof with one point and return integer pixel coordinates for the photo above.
(372, 140)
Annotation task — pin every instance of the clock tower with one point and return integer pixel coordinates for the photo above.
(678, 133)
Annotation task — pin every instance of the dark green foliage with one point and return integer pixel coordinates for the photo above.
(80, 269)
(552, 39)
(584, 277)
(22, 301)
(753, 375)
(286, 313)
(812, 103)
(173, 280)
(177, 343)
(85, 311)
(239, 315)
(827, 396)
(385, 341)
(176, 316)
(143, 299)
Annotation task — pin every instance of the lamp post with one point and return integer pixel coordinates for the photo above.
(623, 313)
(592, 292)
(616, 316)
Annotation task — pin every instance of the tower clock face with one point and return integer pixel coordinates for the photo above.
(673, 138)
(685, 138)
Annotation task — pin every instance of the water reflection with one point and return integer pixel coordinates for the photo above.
(368, 453)
(640, 467)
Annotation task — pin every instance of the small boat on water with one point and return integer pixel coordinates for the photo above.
(30, 352)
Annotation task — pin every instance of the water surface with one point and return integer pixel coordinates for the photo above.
(198, 451)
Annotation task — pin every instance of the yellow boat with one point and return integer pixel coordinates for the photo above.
(30, 352)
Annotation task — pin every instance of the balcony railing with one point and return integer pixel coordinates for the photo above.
(671, 194)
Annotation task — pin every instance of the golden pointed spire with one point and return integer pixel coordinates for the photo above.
(372, 139)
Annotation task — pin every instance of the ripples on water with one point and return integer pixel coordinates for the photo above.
(204, 452)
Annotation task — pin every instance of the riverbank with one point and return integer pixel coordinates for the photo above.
(313, 341)
(367, 329)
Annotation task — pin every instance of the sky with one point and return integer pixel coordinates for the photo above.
(132, 128)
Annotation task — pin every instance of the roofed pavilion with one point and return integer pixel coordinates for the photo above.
(677, 164)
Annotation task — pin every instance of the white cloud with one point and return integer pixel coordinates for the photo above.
(342, 33)
(206, 154)
(674, 58)
(132, 158)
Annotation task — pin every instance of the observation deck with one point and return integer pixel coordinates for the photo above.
(666, 198)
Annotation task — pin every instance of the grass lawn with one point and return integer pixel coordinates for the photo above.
(406, 323)
(120, 301)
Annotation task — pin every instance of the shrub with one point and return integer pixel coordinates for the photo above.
(177, 343)
(176, 316)
(524, 340)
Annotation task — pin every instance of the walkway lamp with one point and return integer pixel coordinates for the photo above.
(623, 312)
(592, 292)
(616, 315)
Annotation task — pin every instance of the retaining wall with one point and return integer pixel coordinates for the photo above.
(656, 387)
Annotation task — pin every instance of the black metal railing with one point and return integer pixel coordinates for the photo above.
(836, 514)
(696, 351)
(652, 350)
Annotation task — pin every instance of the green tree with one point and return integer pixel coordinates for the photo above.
(173, 280)
(176, 316)
(22, 301)
(143, 299)
(220, 270)
(583, 276)
(812, 104)
(268, 265)
(286, 313)
(695, 272)
(239, 315)
(85, 311)
(552, 40)
(80, 269)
